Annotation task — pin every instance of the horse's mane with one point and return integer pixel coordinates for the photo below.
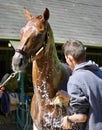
(51, 48)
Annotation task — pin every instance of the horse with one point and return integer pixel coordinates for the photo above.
(48, 73)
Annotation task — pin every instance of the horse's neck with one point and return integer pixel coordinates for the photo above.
(47, 68)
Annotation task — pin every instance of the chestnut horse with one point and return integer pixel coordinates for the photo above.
(37, 44)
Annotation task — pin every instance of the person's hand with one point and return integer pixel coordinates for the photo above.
(66, 124)
(63, 94)
(61, 98)
(1, 90)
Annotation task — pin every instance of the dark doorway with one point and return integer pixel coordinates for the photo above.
(2, 69)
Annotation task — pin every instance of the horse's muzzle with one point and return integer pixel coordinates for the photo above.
(19, 62)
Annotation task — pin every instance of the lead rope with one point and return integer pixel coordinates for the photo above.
(12, 75)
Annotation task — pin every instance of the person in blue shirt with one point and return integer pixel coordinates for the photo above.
(84, 89)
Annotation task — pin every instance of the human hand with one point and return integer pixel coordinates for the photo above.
(1, 90)
(62, 98)
(63, 94)
(66, 124)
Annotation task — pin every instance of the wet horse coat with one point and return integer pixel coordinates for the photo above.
(48, 73)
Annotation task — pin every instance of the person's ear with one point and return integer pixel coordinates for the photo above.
(70, 58)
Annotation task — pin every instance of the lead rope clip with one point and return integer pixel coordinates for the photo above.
(12, 75)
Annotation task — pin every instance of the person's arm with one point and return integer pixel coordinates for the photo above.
(75, 118)
(80, 106)
(78, 118)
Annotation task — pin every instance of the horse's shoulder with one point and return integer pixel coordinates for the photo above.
(66, 72)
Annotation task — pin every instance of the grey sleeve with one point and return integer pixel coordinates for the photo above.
(78, 100)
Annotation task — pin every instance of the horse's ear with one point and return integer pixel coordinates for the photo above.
(46, 14)
(27, 14)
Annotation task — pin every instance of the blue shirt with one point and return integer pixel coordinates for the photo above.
(85, 89)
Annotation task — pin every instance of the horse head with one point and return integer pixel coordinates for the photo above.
(33, 38)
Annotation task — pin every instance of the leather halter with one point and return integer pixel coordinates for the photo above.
(21, 51)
